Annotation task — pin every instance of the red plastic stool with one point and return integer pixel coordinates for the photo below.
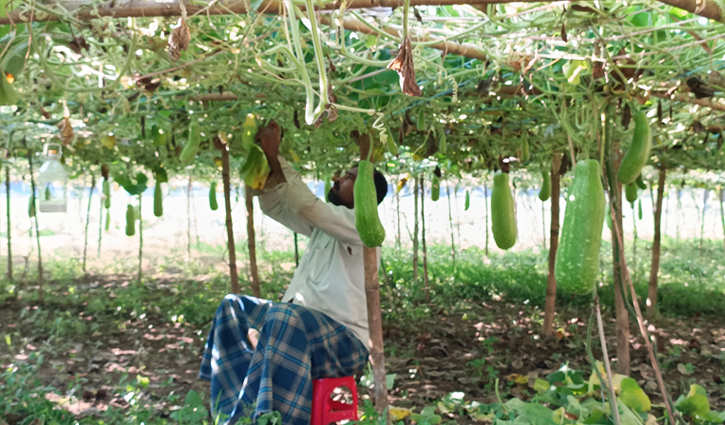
(326, 410)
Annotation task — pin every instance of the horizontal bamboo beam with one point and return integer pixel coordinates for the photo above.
(706, 103)
(82, 10)
(706, 8)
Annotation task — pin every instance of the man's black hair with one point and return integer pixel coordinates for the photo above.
(381, 185)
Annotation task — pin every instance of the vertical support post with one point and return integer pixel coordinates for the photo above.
(251, 243)
(226, 182)
(550, 306)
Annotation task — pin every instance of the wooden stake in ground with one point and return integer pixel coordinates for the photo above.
(656, 244)
(9, 228)
(621, 309)
(704, 210)
(251, 243)
(140, 238)
(37, 227)
(550, 307)
(375, 322)
(422, 238)
(450, 222)
(226, 182)
(415, 229)
(88, 221)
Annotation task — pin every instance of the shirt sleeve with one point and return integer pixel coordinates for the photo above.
(294, 205)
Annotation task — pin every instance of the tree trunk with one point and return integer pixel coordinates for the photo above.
(415, 230)
(450, 222)
(88, 221)
(253, 274)
(226, 182)
(9, 228)
(37, 227)
(485, 200)
(550, 306)
(375, 323)
(422, 238)
(704, 210)
(543, 222)
(652, 291)
(140, 238)
(188, 221)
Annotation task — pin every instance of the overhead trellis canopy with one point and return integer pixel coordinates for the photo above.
(460, 84)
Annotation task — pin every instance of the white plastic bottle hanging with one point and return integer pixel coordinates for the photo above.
(53, 179)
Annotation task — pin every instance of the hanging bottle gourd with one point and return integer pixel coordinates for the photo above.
(53, 179)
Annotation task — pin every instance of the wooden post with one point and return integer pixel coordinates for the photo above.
(485, 200)
(422, 238)
(550, 306)
(704, 210)
(297, 252)
(652, 290)
(375, 323)
(415, 229)
(88, 220)
(188, 220)
(9, 228)
(226, 182)
(722, 219)
(253, 274)
(615, 194)
(140, 238)
(450, 222)
(37, 232)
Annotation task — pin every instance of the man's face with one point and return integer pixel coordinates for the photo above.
(341, 192)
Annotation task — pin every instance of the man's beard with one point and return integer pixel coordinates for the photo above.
(334, 199)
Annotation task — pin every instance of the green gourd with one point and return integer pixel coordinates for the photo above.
(503, 216)
(249, 132)
(638, 153)
(640, 182)
(158, 200)
(639, 208)
(435, 188)
(108, 220)
(192, 144)
(31, 206)
(212, 197)
(467, 204)
(47, 193)
(545, 192)
(577, 260)
(630, 192)
(106, 194)
(442, 144)
(392, 146)
(159, 136)
(328, 186)
(525, 154)
(130, 220)
(367, 221)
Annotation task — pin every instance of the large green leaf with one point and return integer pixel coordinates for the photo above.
(633, 396)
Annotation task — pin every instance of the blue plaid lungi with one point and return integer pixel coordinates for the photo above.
(296, 345)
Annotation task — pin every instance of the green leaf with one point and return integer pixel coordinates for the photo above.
(541, 386)
(390, 380)
(680, 13)
(633, 396)
(193, 399)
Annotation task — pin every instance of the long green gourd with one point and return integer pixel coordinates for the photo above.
(328, 186)
(108, 220)
(503, 216)
(577, 260)
(106, 194)
(367, 221)
(545, 192)
(638, 153)
(468, 201)
(639, 209)
(31, 206)
(630, 192)
(525, 153)
(158, 200)
(192, 144)
(130, 220)
(435, 188)
(212, 197)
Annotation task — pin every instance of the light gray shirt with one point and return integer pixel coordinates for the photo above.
(330, 277)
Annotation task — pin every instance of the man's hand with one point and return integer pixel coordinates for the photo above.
(269, 137)
(363, 140)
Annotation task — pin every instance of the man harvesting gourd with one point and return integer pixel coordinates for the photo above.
(320, 329)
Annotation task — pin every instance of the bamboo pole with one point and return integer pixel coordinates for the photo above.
(422, 239)
(550, 306)
(140, 238)
(251, 243)
(37, 227)
(450, 222)
(100, 227)
(226, 182)
(415, 229)
(188, 220)
(656, 246)
(9, 228)
(375, 324)
(88, 220)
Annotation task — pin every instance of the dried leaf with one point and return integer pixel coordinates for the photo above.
(45, 113)
(563, 33)
(417, 15)
(403, 65)
(698, 87)
(179, 40)
(66, 131)
(78, 44)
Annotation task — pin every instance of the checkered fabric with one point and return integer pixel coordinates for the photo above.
(296, 345)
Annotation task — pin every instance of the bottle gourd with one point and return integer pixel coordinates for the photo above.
(638, 153)
(192, 144)
(503, 216)
(158, 200)
(212, 197)
(577, 260)
(130, 220)
(367, 221)
(545, 192)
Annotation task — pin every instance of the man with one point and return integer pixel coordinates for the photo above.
(320, 329)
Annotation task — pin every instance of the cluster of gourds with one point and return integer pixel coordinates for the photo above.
(577, 259)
